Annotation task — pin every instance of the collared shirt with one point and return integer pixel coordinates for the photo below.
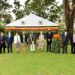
(65, 33)
(73, 38)
(9, 35)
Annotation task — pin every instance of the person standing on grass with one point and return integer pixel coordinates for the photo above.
(17, 41)
(23, 38)
(0, 45)
(3, 42)
(32, 44)
(33, 37)
(24, 41)
(74, 43)
(64, 41)
(41, 41)
(49, 36)
(56, 42)
(9, 40)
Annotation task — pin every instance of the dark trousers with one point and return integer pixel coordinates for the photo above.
(49, 47)
(9, 47)
(3, 47)
(65, 48)
(73, 48)
(0, 50)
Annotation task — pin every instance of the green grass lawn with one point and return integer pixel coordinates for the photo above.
(37, 63)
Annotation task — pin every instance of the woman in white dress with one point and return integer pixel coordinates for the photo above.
(17, 41)
(41, 41)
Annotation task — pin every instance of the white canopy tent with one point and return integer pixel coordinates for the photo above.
(32, 21)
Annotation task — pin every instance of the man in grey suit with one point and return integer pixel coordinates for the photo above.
(0, 45)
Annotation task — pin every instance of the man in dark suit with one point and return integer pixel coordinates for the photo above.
(24, 38)
(9, 40)
(49, 36)
(0, 45)
(64, 41)
(2, 42)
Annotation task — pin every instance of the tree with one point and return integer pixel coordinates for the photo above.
(17, 11)
(69, 10)
(2, 27)
(47, 9)
(3, 11)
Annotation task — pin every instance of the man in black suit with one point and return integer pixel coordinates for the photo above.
(49, 36)
(9, 40)
(64, 41)
(0, 45)
(2, 42)
(24, 38)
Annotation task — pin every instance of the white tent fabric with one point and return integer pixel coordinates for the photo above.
(31, 20)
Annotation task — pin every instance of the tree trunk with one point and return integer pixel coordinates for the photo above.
(69, 20)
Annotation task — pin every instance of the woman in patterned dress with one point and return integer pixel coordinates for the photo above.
(56, 42)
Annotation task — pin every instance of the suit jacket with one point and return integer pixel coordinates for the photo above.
(24, 39)
(2, 41)
(64, 38)
(49, 37)
(9, 40)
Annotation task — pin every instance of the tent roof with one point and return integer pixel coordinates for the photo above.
(31, 20)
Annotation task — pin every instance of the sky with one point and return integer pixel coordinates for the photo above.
(22, 3)
(60, 1)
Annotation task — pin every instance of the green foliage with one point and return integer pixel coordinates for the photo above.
(47, 9)
(4, 5)
(3, 13)
(62, 27)
(2, 27)
(17, 11)
(54, 12)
